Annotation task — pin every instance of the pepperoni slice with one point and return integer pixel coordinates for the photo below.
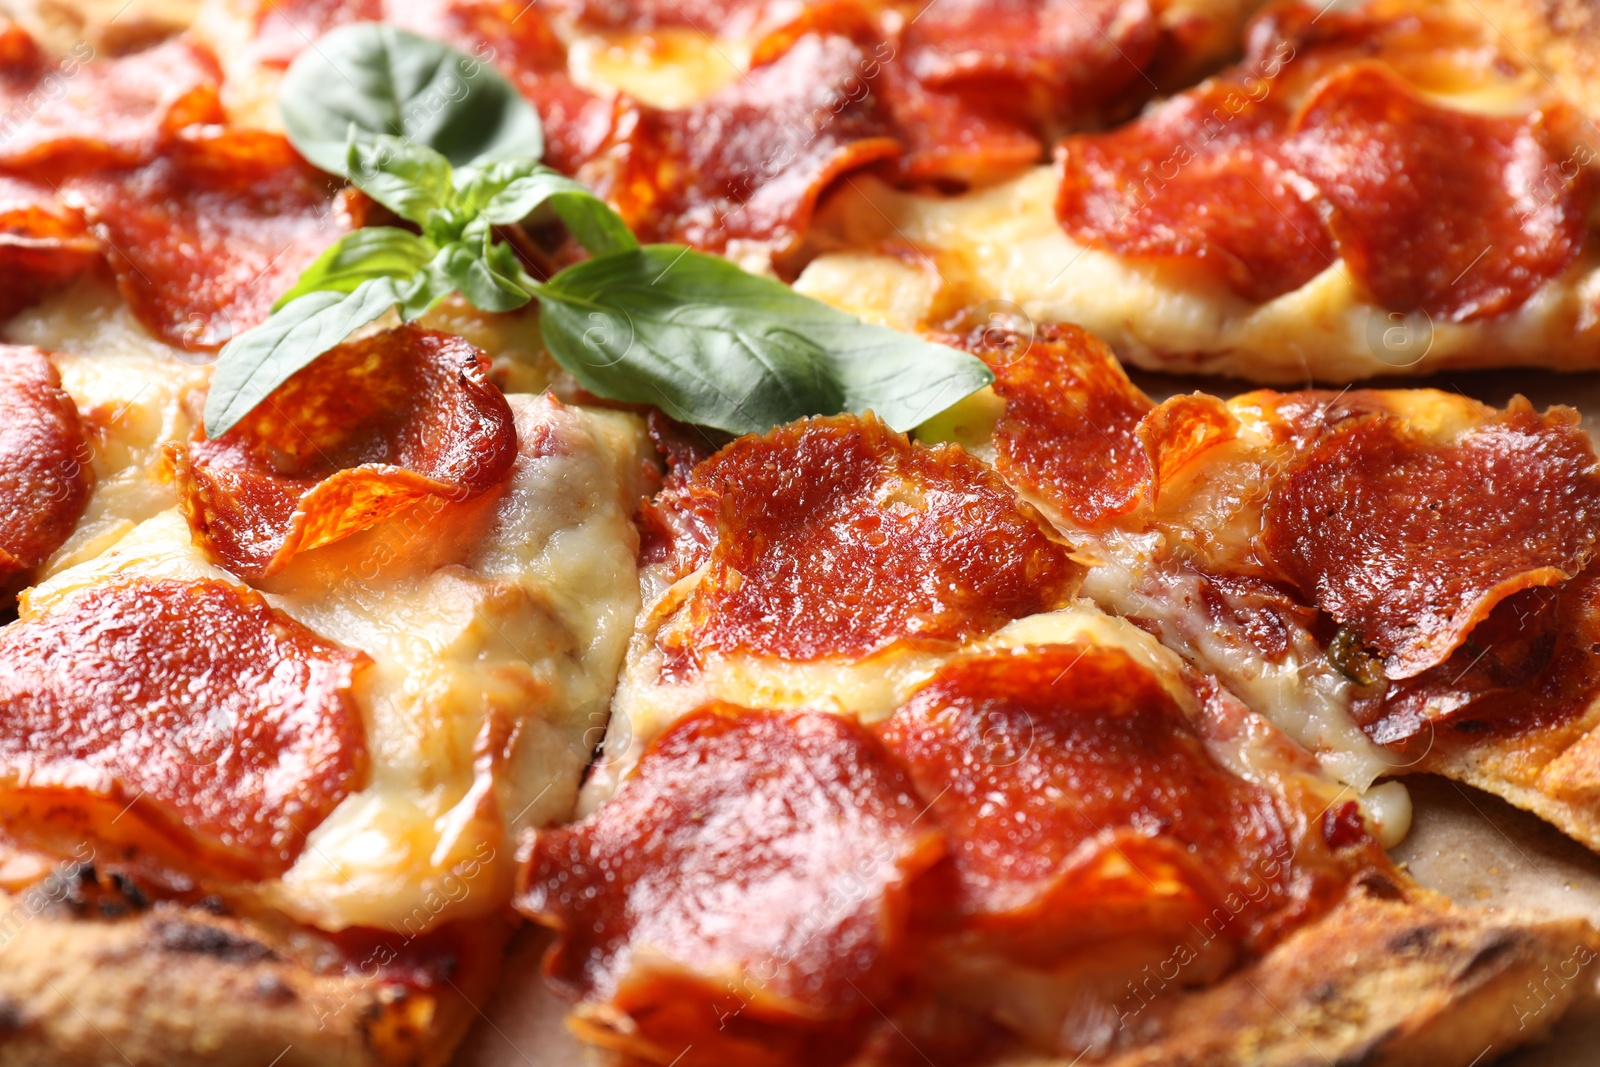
(1070, 433)
(974, 136)
(190, 711)
(1530, 664)
(43, 243)
(751, 874)
(1414, 542)
(977, 84)
(1202, 179)
(1432, 208)
(749, 162)
(45, 476)
(369, 429)
(1079, 804)
(71, 116)
(839, 537)
(1059, 61)
(207, 236)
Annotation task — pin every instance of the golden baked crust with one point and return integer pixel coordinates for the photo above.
(172, 985)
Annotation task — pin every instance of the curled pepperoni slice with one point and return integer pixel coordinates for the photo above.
(1059, 61)
(972, 136)
(370, 428)
(43, 243)
(1460, 215)
(189, 713)
(207, 236)
(838, 536)
(1202, 179)
(749, 162)
(73, 115)
(745, 892)
(1080, 804)
(1070, 433)
(1413, 542)
(45, 476)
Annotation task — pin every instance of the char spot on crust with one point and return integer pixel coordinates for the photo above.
(200, 939)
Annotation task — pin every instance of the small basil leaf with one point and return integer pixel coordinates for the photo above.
(713, 345)
(484, 287)
(509, 192)
(379, 80)
(256, 362)
(409, 179)
(374, 252)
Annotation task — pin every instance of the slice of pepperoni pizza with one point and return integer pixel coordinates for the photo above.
(880, 788)
(1387, 189)
(264, 756)
(720, 123)
(1401, 579)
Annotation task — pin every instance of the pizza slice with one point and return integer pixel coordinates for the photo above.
(1307, 213)
(282, 812)
(881, 787)
(1400, 579)
(720, 124)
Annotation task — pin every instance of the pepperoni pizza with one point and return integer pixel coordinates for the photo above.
(1059, 729)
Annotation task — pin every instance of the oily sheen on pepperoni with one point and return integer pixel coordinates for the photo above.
(205, 238)
(1079, 803)
(749, 162)
(751, 874)
(1060, 60)
(839, 537)
(1200, 179)
(368, 429)
(70, 115)
(1460, 215)
(45, 476)
(43, 243)
(1070, 429)
(218, 722)
(1413, 542)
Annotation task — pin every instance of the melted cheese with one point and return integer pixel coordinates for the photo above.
(497, 628)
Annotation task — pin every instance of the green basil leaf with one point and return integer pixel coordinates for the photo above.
(505, 193)
(468, 269)
(375, 252)
(711, 344)
(256, 362)
(409, 179)
(429, 286)
(376, 80)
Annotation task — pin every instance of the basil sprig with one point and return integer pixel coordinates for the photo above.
(447, 145)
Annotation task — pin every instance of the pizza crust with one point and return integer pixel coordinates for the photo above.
(171, 985)
(1384, 981)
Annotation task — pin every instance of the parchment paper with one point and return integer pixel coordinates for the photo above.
(1471, 846)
